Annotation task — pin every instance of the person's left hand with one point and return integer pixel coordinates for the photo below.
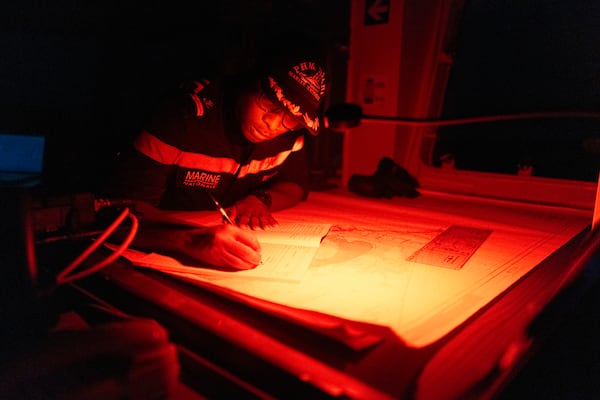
(252, 213)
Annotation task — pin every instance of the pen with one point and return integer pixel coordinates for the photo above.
(220, 208)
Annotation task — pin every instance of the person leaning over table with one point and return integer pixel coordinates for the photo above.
(240, 139)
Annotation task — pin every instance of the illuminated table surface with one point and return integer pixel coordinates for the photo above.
(419, 266)
(379, 266)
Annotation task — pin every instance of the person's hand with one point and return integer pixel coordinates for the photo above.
(222, 245)
(252, 213)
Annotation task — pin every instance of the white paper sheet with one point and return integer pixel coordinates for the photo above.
(287, 251)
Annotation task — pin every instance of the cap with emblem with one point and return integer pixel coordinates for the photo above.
(300, 85)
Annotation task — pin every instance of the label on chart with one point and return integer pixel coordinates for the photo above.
(451, 248)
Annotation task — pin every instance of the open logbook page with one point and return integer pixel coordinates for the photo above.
(287, 251)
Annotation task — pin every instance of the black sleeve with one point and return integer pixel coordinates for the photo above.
(139, 177)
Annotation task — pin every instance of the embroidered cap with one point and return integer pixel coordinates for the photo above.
(300, 87)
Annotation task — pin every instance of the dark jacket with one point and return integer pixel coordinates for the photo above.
(192, 144)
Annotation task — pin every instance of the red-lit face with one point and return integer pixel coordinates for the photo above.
(261, 119)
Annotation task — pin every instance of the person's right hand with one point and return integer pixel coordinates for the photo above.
(222, 245)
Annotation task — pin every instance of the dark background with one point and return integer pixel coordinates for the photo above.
(83, 73)
(526, 56)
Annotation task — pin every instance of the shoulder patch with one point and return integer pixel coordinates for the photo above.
(195, 89)
(198, 103)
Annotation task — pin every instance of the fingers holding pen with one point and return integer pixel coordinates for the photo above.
(245, 248)
(224, 245)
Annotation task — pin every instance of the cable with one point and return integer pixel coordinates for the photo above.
(476, 120)
(343, 116)
(109, 231)
(63, 277)
(116, 254)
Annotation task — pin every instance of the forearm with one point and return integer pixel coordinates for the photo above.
(162, 238)
(157, 229)
(220, 245)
